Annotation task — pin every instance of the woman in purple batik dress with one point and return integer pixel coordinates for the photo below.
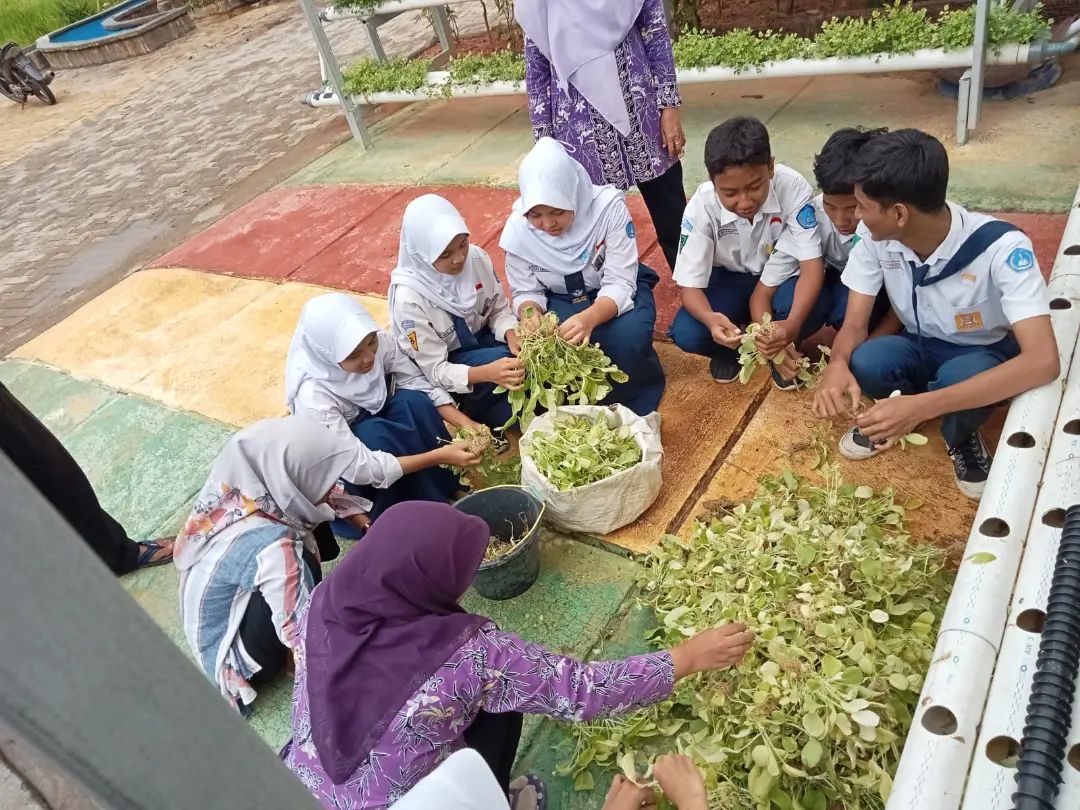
(393, 676)
(600, 75)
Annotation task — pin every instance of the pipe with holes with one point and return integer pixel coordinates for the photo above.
(1049, 710)
(953, 710)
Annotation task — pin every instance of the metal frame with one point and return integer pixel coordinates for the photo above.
(332, 73)
(93, 685)
(970, 90)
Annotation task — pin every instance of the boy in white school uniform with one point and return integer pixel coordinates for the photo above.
(837, 223)
(968, 292)
(730, 228)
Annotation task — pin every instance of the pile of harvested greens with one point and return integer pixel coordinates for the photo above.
(844, 606)
(493, 470)
(581, 450)
(558, 372)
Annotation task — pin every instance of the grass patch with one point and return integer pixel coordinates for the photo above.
(23, 21)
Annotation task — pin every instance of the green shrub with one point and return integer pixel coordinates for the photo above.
(23, 21)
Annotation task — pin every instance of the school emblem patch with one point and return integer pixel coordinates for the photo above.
(412, 341)
(1020, 260)
(687, 225)
(969, 321)
(682, 241)
(807, 216)
(630, 229)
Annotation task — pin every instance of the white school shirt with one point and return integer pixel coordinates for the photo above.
(713, 236)
(317, 402)
(975, 307)
(835, 249)
(611, 267)
(426, 333)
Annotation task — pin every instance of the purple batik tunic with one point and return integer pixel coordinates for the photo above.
(647, 75)
(494, 671)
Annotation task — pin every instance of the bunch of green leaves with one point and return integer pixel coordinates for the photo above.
(581, 450)
(844, 606)
(750, 357)
(492, 471)
(359, 5)
(369, 76)
(956, 29)
(474, 69)
(557, 372)
(741, 48)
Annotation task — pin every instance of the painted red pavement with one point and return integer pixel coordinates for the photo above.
(346, 236)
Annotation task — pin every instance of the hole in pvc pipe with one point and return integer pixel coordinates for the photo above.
(1073, 757)
(994, 527)
(1021, 439)
(1072, 427)
(1072, 250)
(1060, 303)
(1031, 620)
(1055, 518)
(939, 720)
(1003, 751)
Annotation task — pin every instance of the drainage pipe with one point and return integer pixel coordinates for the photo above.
(1049, 714)
(438, 81)
(940, 743)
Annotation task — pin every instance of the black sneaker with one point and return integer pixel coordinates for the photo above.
(782, 384)
(971, 465)
(725, 367)
(499, 443)
(857, 447)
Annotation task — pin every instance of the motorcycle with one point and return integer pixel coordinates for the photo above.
(22, 75)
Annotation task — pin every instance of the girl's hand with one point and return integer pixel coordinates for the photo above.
(508, 372)
(513, 342)
(576, 329)
(625, 795)
(714, 649)
(681, 781)
(453, 455)
(671, 132)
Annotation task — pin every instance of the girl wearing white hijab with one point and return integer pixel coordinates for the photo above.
(449, 314)
(600, 75)
(345, 373)
(570, 249)
(248, 554)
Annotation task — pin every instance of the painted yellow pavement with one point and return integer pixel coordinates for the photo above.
(211, 344)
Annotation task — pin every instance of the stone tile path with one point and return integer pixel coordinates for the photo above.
(99, 188)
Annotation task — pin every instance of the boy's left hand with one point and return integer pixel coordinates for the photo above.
(513, 342)
(779, 335)
(892, 418)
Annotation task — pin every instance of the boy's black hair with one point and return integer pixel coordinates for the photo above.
(906, 166)
(832, 168)
(737, 142)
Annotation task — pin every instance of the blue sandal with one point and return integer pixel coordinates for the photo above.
(152, 547)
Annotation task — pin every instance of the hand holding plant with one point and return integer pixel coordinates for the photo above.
(838, 394)
(513, 342)
(509, 372)
(577, 329)
(626, 795)
(723, 331)
(773, 338)
(892, 419)
(718, 648)
(457, 455)
(681, 781)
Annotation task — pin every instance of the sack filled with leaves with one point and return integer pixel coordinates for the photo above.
(556, 371)
(844, 606)
(595, 468)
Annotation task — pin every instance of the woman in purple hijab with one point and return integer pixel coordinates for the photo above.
(600, 75)
(393, 676)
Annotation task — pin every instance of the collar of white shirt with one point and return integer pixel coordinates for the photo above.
(771, 206)
(948, 247)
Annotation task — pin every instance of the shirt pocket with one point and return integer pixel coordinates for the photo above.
(965, 316)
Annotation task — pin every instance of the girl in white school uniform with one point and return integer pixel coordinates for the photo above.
(449, 313)
(570, 249)
(347, 374)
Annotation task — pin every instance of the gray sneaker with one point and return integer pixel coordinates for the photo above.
(857, 447)
(971, 465)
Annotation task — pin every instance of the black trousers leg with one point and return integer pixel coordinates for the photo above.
(495, 737)
(54, 473)
(327, 543)
(260, 638)
(666, 200)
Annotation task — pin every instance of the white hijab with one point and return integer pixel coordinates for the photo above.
(331, 326)
(281, 468)
(579, 38)
(429, 225)
(549, 176)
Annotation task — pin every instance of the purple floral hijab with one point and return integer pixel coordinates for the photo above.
(384, 621)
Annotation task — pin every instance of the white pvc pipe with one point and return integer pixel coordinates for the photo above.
(933, 767)
(938, 748)
(1069, 795)
(927, 59)
(333, 14)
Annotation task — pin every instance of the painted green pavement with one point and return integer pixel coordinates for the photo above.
(482, 140)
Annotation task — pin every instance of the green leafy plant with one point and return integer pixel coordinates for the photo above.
(557, 372)
(476, 69)
(581, 450)
(750, 357)
(844, 606)
(492, 471)
(369, 76)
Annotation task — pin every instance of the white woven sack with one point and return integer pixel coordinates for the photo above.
(606, 505)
